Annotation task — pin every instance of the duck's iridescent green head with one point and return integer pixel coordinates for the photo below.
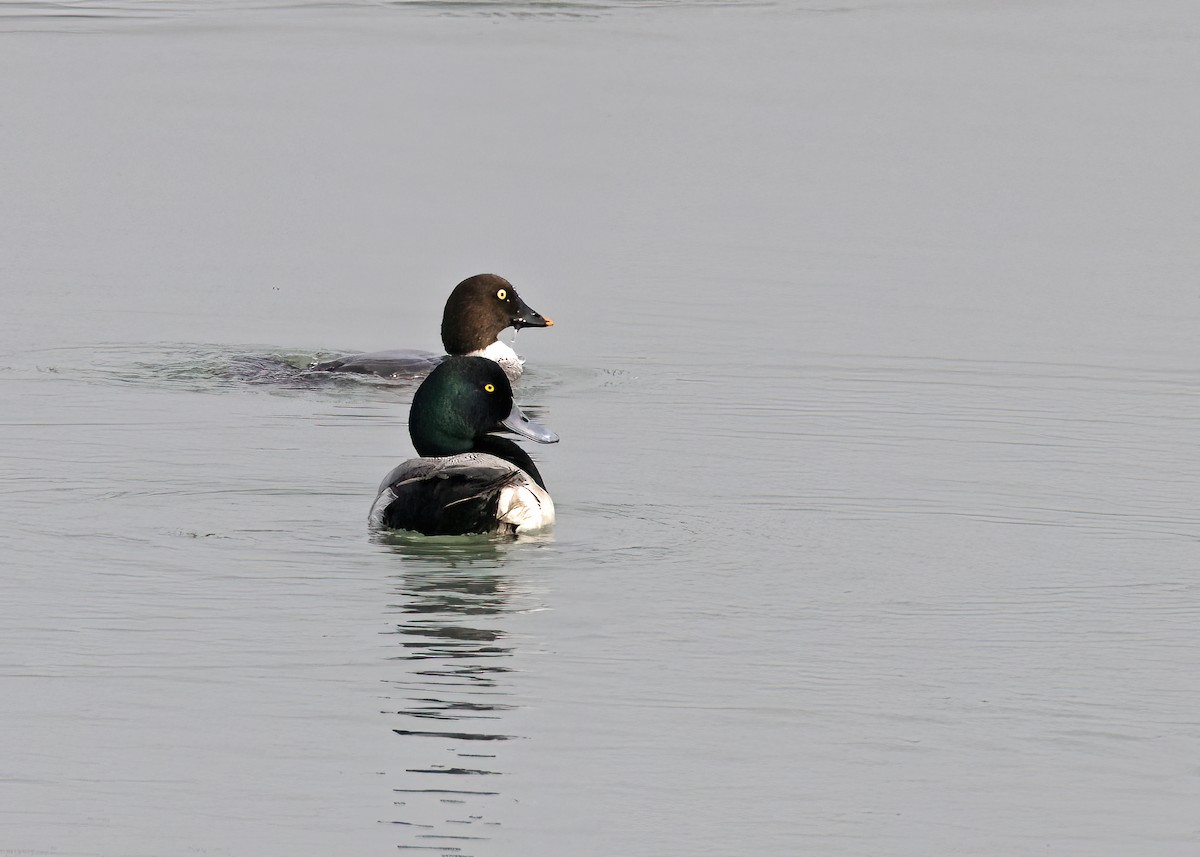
(461, 401)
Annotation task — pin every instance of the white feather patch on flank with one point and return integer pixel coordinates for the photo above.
(503, 354)
(527, 507)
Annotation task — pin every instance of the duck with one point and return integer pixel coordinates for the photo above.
(478, 309)
(467, 479)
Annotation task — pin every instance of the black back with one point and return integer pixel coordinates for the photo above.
(436, 505)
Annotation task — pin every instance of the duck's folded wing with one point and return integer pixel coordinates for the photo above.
(443, 496)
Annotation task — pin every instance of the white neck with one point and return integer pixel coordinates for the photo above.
(503, 354)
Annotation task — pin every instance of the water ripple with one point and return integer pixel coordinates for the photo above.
(89, 15)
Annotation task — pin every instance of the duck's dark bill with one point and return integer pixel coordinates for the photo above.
(525, 316)
(516, 421)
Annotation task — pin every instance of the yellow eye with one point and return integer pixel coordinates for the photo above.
(502, 294)
(491, 388)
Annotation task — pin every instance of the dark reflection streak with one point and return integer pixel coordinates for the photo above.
(461, 736)
(441, 792)
(463, 706)
(449, 600)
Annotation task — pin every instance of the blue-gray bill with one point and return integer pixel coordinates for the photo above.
(519, 423)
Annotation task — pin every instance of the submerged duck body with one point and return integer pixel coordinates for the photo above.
(476, 312)
(468, 479)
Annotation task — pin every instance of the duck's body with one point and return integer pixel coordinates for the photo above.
(468, 493)
(476, 312)
(467, 480)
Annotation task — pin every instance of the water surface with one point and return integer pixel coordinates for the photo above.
(874, 361)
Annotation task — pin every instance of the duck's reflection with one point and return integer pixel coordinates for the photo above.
(451, 697)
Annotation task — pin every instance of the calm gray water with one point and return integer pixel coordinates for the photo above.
(875, 363)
